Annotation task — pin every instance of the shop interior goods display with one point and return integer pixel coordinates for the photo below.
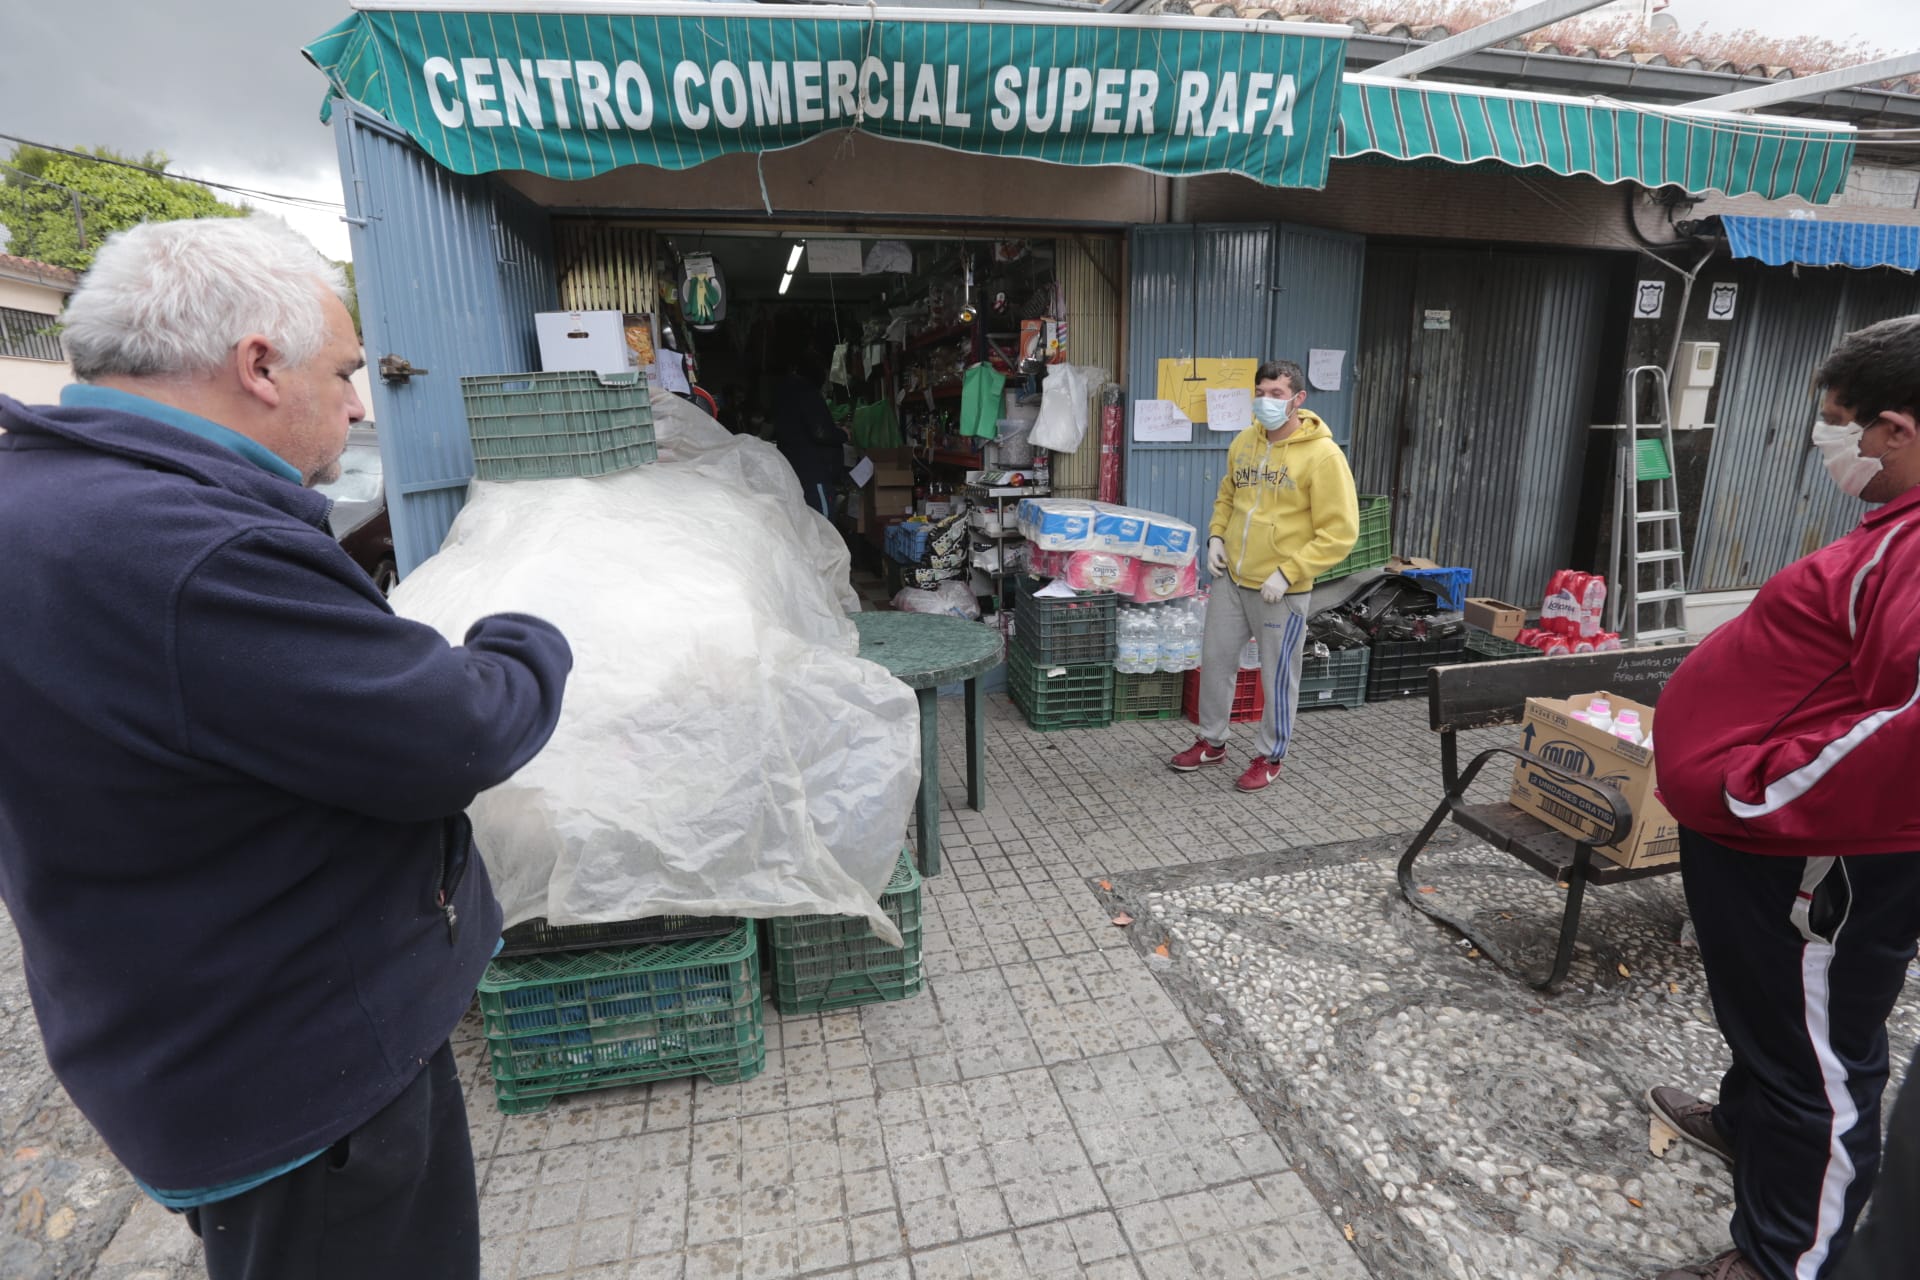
(816, 964)
(1649, 562)
(573, 1021)
(1495, 694)
(1374, 547)
(724, 750)
(1059, 696)
(543, 426)
(1152, 695)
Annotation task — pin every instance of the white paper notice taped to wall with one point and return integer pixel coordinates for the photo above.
(1229, 409)
(1324, 367)
(1161, 420)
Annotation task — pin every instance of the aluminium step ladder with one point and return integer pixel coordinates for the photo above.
(1648, 602)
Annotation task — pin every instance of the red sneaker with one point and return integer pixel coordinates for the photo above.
(1259, 774)
(1201, 752)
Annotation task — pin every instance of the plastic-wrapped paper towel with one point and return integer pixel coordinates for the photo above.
(723, 749)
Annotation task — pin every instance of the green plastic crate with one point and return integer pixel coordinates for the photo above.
(1484, 646)
(1077, 697)
(1154, 695)
(1374, 547)
(1066, 630)
(564, 1022)
(1337, 680)
(819, 963)
(544, 426)
(1650, 461)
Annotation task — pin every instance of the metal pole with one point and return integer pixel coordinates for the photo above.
(1528, 18)
(1766, 95)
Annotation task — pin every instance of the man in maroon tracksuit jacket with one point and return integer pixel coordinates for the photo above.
(1787, 749)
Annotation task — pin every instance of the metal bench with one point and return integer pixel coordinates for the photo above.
(1490, 694)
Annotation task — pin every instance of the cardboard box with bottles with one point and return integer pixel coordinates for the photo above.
(1554, 733)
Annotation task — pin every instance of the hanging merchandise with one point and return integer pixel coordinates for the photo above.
(703, 294)
(1113, 418)
(967, 312)
(838, 374)
(1063, 406)
(888, 257)
(980, 390)
(877, 426)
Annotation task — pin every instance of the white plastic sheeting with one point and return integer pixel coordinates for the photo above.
(723, 749)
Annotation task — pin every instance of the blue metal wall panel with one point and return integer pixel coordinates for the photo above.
(450, 271)
(1316, 304)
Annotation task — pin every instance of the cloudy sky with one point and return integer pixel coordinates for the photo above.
(220, 86)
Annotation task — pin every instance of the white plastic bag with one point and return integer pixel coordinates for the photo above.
(1063, 406)
(722, 750)
(953, 598)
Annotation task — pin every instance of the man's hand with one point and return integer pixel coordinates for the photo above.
(1274, 589)
(1217, 557)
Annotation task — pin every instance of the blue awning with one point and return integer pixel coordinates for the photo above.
(1815, 243)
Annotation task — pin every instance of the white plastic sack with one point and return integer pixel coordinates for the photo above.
(952, 599)
(1063, 406)
(722, 750)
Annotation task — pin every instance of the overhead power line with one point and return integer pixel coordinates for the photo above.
(251, 193)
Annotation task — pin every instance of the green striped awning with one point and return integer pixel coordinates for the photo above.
(1613, 141)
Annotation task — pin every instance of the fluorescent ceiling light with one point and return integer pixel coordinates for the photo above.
(793, 259)
(786, 280)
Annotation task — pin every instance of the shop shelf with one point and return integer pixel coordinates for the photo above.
(544, 426)
(564, 1022)
(1060, 697)
(1374, 547)
(818, 963)
(1484, 646)
(1399, 668)
(1068, 630)
(1153, 695)
(536, 936)
(1249, 692)
(1337, 680)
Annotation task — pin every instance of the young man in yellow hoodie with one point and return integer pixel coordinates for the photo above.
(1286, 513)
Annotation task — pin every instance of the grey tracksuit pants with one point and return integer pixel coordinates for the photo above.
(1235, 614)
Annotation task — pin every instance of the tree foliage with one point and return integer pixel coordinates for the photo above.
(39, 192)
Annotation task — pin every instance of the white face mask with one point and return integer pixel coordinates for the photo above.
(1271, 411)
(1839, 448)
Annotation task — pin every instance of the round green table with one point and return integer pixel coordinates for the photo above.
(925, 651)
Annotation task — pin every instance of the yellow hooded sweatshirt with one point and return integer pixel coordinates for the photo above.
(1288, 505)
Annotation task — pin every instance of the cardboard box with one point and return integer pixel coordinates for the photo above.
(1398, 563)
(595, 340)
(1550, 732)
(891, 500)
(1502, 619)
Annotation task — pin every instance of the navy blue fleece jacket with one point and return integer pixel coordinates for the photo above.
(231, 795)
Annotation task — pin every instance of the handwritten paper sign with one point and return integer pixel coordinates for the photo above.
(1186, 381)
(1323, 368)
(1160, 420)
(1229, 409)
(833, 257)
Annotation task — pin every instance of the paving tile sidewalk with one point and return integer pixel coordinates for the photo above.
(1042, 1109)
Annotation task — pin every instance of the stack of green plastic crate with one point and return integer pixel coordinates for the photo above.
(567, 1022)
(820, 963)
(1374, 547)
(1154, 695)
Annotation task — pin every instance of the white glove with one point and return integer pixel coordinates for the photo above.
(1274, 589)
(1217, 556)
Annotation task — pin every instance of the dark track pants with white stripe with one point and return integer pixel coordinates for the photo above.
(1234, 615)
(1804, 959)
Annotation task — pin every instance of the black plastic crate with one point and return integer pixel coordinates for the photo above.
(1398, 669)
(532, 937)
(1070, 630)
(1337, 680)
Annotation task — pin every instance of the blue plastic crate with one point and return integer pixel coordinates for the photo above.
(1450, 585)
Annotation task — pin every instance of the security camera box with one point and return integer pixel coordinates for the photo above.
(1551, 734)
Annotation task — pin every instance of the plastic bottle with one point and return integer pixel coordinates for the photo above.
(1626, 725)
(1600, 715)
(1593, 603)
(1250, 655)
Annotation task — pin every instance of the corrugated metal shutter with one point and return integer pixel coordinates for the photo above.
(1209, 290)
(1089, 268)
(1478, 428)
(1768, 501)
(450, 271)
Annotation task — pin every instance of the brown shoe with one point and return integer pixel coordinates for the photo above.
(1731, 1265)
(1691, 1118)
